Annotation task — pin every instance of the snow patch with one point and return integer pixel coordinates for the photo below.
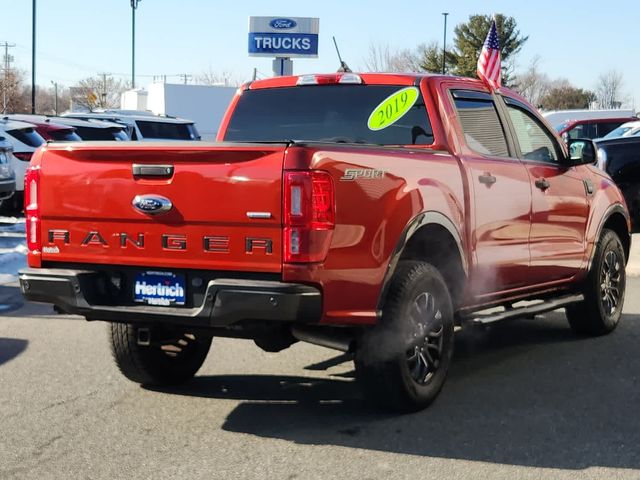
(13, 248)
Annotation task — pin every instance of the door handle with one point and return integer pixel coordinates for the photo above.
(155, 171)
(542, 184)
(487, 179)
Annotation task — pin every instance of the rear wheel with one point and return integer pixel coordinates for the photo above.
(402, 363)
(604, 289)
(172, 357)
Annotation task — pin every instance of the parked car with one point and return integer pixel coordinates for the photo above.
(73, 129)
(7, 177)
(96, 130)
(145, 125)
(24, 139)
(628, 129)
(590, 128)
(48, 128)
(620, 158)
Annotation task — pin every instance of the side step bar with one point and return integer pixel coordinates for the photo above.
(524, 311)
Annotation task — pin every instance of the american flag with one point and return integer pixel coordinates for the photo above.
(489, 62)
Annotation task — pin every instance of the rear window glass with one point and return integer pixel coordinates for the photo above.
(326, 113)
(27, 136)
(105, 134)
(169, 131)
(64, 136)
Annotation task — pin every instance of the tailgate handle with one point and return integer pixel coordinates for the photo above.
(162, 171)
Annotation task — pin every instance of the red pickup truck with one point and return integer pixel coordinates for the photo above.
(369, 213)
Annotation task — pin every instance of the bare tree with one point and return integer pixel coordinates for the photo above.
(532, 84)
(609, 89)
(46, 100)
(225, 78)
(382, 58)
(101, 91)
(12, 92)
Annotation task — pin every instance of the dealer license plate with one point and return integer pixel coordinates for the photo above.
(159, 288)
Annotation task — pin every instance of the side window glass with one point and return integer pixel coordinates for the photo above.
(481, 126)
(535, 142)
(604, 128)
(579, 131)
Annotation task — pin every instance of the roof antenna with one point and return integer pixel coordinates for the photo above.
(343, 66)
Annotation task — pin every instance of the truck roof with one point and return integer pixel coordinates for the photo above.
(347, 78)
(120, 117)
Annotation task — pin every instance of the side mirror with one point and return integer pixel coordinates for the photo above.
(582, 151)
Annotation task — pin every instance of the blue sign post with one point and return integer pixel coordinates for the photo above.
(283, 38)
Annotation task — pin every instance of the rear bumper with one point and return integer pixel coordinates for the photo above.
(226, 302)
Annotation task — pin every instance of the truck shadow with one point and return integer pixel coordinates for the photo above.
(10, 348)
(522, 393)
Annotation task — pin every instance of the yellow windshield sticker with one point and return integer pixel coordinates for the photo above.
(392, 108)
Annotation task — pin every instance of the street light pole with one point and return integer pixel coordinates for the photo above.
(33, 57)
(134, 7)
(444, 44)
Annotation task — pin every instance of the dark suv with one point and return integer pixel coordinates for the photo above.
(620, 158)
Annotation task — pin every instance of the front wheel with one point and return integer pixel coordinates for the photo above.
(402, 363)
(172, 357)
(600, 311)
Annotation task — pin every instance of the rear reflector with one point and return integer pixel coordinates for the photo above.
(309, 216)
(330, 79)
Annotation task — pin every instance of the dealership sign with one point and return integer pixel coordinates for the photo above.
(283, 37)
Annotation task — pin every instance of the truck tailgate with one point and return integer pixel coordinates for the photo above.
(225, 214)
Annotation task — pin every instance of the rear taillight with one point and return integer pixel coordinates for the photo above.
(32, 209)
(24, 156)
(309, 215)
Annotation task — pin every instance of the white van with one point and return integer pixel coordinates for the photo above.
(557, 117)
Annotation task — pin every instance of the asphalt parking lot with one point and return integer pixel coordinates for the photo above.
(525, 399)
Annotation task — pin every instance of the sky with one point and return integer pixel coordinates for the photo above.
(80, 38)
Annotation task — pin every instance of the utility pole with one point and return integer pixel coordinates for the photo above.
(444, 44)
(185, 77)
(33, 57)
(7, 67)
(134, 7)
(103, 94)
(55, 103)
(255, 73)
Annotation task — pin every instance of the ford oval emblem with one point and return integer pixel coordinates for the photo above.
(282, 23)
(151, 204)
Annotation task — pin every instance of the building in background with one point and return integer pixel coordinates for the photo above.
(203, 104)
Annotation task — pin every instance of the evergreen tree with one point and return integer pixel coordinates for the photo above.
(462, 59)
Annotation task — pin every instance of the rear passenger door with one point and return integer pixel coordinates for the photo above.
(500, 193)
(560, 207)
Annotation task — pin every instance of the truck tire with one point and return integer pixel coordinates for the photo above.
(402, 362)
(172, 357)
(604, 290)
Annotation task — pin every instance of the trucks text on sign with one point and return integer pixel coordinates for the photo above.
(283, 36)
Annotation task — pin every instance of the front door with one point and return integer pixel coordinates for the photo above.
(560, 206)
